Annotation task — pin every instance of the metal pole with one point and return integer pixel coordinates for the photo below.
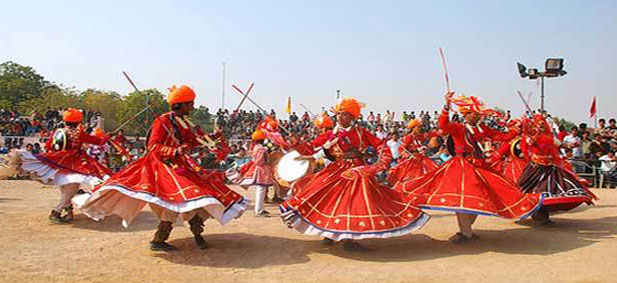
(542, 93)
(223, 89)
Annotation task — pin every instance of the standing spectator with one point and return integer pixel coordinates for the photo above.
(608, 166)
(371, 119)
(293, 118)
(602, 129)
(394, 144)
(405, 117)
(612, 127)
(380, 133)
(573, 141)
(598, 147)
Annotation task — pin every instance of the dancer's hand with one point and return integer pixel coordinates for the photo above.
(448, 97)
(305, 158)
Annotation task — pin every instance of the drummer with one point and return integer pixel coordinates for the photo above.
(66, 164)
(323, 124)
(257, 173)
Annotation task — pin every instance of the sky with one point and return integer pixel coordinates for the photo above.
(384, 53)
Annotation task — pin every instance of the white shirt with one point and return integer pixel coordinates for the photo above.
(570, 140)
(394, 146)
(381, 135)
(608, 164)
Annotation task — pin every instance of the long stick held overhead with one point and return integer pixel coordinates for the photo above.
(524, 102)
(445, 69)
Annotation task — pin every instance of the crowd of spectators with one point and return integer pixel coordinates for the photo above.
(587, 148)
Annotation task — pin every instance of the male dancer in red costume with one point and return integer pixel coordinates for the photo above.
(344, 201)
(466, 184)
(66, 164)
(546, 173)
(414, 162)
(168, 180)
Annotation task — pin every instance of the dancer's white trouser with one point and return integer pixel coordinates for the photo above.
(464, 223)
(260, 195)
(67, 192)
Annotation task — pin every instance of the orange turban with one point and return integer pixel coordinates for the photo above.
(350, 106)
(72, 115)
(258, 135)
(180, 94)
(413, 123)
(468, 104)
(324, 121)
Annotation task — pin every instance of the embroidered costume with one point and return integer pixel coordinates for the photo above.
(168, 180)
(344, 200)
(65, 164)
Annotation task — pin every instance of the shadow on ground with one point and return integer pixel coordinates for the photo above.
(251, 251)
(144, 221)
(240, 250)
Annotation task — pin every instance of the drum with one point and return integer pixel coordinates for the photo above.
(59, 140)
(274, 158)
(288, 169)
(516, 150)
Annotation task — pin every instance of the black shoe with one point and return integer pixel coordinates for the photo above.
(201, 243)
(263, 214)
(55, 218)
(327, 242)
(548, 223)
(350, 246)
(162, 246)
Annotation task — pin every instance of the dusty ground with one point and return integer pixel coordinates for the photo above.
(582, 248)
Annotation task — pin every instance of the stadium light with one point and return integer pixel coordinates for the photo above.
(553, 68)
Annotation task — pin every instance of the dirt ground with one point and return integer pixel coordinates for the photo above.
(581, 248)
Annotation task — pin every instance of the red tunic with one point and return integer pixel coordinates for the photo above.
(73, 159)
(466, 183)
(166, 178)
(413, 163)
(505, 162)
(344, 200)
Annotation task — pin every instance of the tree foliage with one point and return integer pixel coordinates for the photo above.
(19, 83)
(24, 90)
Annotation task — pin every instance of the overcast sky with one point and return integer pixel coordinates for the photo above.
(382, 52)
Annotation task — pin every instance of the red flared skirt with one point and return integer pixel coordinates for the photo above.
(74, 160)
(411, 168)
(337, 207)
(560, 188)
(513, 168)
(461, 186)
(171, 186)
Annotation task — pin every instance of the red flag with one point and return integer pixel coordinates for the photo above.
(592, 110)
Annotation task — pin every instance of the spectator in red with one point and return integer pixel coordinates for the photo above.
(562, 133)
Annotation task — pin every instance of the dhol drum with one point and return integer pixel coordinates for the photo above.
(59, 140)
(288, 169)
(516, 149)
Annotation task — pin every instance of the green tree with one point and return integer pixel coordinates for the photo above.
(105, 102)
(20, 84)
(133, 103)
(200, 116)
